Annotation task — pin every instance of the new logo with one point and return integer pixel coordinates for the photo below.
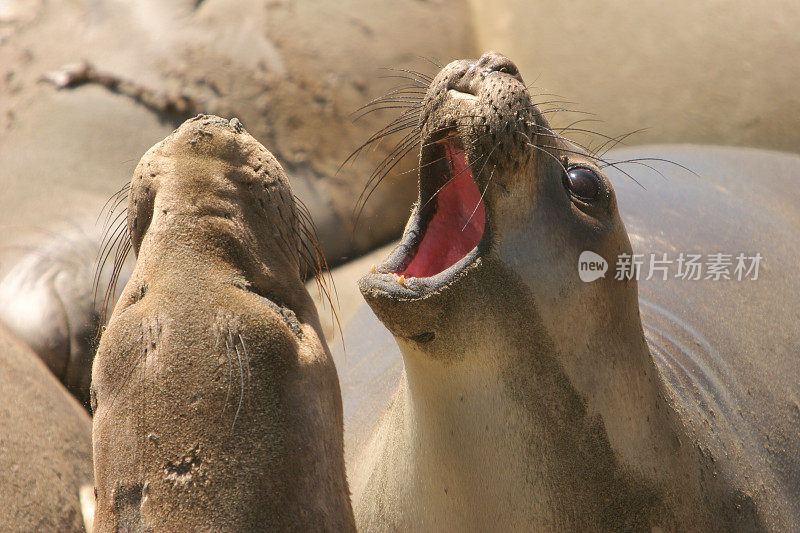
(591, 266)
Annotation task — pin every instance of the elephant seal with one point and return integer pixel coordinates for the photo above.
(45, 445)
(529, 399)
(216, 401)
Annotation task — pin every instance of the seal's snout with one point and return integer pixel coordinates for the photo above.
(488, 63)
(210, 136)
(209, 168)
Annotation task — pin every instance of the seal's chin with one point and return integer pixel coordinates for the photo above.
(446, 227)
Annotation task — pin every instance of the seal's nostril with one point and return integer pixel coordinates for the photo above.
(509, 68)
(495, 62)
(463, 72)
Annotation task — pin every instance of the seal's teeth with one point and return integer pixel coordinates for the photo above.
(373, 269)
(399, 278)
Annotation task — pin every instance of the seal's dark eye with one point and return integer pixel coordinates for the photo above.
(583, 183)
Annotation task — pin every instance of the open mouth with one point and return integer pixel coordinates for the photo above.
(448, 223)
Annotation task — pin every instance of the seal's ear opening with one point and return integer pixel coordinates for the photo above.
(452, 213)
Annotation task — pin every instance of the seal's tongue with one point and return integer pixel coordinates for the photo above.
(456, 226)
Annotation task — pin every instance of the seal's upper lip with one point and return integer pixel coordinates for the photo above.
(455, 93)
(446, 228)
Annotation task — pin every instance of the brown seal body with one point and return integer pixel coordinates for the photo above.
(530, 399)
(45, 445)
(216, 401)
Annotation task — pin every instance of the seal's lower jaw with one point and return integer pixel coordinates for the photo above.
(445, 233)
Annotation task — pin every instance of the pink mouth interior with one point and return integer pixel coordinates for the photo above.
(456, 226)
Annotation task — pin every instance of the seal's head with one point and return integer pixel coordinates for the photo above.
(506, 206)
(210, 182)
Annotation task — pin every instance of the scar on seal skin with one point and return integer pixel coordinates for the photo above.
(216, 400)
(528, 399)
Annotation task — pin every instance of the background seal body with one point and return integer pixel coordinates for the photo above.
(55, 300)
(216, 401)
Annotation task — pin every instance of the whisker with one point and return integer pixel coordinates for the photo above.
(322, 275)
(241, 380)
(427, 79)
(383, 108)
(410, 138)
(246, 358)
(229, 359)
(574, 122)
(432, 61)
(394, 127)
(107, 244)
(480, 200)
(533, 145)
(416, 82)
(409, 145)
(116, 197)
(105, 252)
(616, 141)
(468, 167)
(640, 160)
